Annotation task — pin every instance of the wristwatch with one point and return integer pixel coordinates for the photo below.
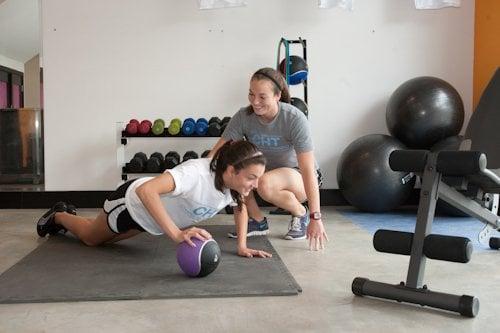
(315, 216)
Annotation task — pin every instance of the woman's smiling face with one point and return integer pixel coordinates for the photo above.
(262, 98)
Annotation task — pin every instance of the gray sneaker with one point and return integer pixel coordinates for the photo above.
(254, 229)
(298, 227)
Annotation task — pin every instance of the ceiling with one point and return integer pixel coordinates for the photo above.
(19, 29)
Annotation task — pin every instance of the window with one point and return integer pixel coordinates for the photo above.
(11, 88)
(4, 83)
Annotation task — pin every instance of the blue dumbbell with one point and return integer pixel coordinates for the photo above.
(201, 126)
(188, 126)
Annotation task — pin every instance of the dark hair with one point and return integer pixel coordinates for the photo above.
(239, 154)
(277, 80)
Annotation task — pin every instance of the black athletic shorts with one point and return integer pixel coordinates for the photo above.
(319, 175)
(119, 219)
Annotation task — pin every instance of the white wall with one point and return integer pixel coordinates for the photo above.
(108, 61)
(20, 29)
(11, 63)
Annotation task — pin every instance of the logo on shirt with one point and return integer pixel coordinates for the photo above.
(204, 212)
(268, 141)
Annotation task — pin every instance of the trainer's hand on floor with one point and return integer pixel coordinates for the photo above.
(317, 235)
(186, 235)
(250, 253)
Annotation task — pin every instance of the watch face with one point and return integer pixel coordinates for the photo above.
(316, 216)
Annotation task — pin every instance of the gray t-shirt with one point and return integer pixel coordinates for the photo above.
(280, 140)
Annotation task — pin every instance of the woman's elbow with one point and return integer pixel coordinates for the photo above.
(142, 191)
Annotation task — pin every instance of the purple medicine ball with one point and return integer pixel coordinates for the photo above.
(200, 260)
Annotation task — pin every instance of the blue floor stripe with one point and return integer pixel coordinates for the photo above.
(405, 221)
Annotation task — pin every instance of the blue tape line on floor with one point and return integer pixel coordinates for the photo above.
(405, 221)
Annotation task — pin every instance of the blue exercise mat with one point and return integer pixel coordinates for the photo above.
(405, 221)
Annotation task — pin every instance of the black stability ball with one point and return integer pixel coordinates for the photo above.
(423, 111)
(298, 69)
(300, 104)
(365, 177)
(450, 143)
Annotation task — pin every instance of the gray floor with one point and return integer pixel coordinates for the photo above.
(326, 304)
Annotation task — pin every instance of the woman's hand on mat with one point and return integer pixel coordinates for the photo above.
(317, 235)
(250, 253)
(186, 235)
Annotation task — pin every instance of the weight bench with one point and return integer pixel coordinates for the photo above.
(468, 179)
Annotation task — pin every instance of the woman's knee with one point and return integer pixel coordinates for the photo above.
(90, 242)
(266, 188)
(92, 237)
(271, 184)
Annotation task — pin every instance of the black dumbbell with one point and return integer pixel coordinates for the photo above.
(155, 163)
(172, 159)
(214, 119)
(205, 153)
(224, 123)
(214, 126)
(229, 209)
(189, 155)
(137, 163)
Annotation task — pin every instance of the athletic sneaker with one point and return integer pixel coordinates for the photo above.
(254, 228)
(298, 227)
(47, 225)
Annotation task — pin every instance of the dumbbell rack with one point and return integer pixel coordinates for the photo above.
(125, 136)
(286, 43)
(122, 139)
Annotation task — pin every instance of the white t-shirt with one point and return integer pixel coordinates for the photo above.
(194, 199)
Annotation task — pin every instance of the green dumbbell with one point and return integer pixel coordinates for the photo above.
(158, 127)
(175, 126)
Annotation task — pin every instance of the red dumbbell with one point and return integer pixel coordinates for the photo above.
(145, 127)
(132, 126)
